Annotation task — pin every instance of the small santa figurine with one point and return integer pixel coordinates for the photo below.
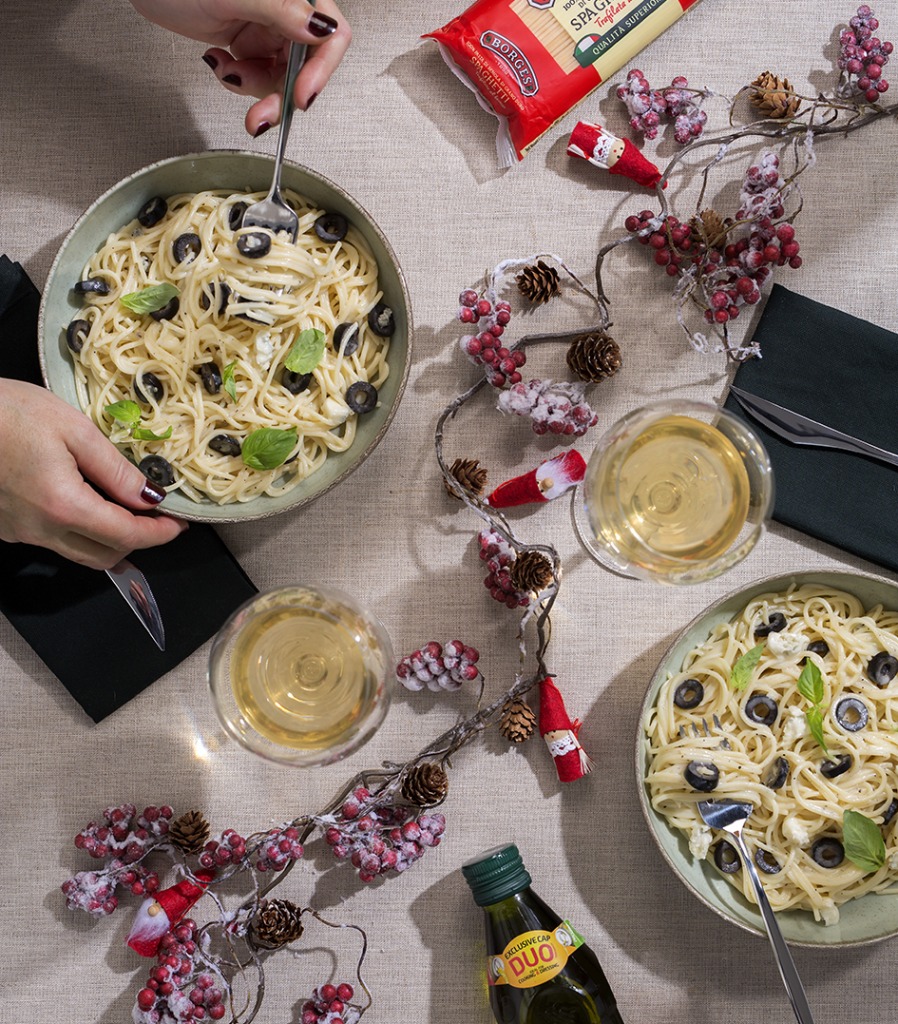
(617, 156)
(560, 733)
(159, 913)
(549, 480)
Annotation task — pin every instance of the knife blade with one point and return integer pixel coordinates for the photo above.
(132, 585)
(802, 430)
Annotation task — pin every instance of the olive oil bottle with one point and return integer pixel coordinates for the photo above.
(538, 968)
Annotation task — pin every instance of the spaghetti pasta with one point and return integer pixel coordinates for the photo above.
(767, 754)
(216, 367)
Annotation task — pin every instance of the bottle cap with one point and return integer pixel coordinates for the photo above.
(496, 874)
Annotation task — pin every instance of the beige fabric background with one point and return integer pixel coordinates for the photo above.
(90, 93)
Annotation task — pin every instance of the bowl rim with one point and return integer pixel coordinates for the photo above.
(197, 516)
(746, 592)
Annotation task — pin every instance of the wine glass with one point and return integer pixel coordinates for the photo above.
(675, 492)
(300, 675)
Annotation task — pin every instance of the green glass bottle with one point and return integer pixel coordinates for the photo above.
(538, 968)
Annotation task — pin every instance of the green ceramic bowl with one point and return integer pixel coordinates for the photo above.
(867, 919)
(249, 172)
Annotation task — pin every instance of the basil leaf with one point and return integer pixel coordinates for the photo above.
(810, 683)
(227, 380)
(863, 841)
(268, 448)
(149, 299)
(127, 413)
(742, 670)
(815, 723)
(144, 434)
(306, 352)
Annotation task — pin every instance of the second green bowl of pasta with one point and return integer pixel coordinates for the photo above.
(189, 338)
(760, 732)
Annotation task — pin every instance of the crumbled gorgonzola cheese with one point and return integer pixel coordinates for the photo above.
(264, 350)
(785, 643)
(796, 831)
(796, 726)
(700, 841)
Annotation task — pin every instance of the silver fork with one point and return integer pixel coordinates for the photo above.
(705, 731)
(729, 816)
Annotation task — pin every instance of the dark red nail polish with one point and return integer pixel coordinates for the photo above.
(262, 129)
(311, 100)
(233, 80)
(321, 25)
(151, 493)
(210, 60)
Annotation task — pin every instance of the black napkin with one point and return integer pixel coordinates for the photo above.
(73, 617)
(841, 371)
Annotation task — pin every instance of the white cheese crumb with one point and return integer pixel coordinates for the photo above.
(796, 831)
(700, 841)
(335, 412)
(829, 914)
(264, 350)
(893, 862)
(796, 726)
(785, 643)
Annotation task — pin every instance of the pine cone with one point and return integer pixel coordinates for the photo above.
(276, 923)
(538, 283)
(470, 474)
(773, 96)
(710, 227)
(426, 785)
(531, 571)
(517, 721)
(594, 356)
(190, 832)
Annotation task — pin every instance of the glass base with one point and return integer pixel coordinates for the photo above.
(587, 537)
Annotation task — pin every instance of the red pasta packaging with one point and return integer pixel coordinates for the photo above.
(530, 61)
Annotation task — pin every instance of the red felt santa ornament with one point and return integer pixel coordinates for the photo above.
(549, 480)
(560, 733)
(159, 913)
(617, 156)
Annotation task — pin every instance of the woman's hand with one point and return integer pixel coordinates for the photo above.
(50, 451)
(252, 38)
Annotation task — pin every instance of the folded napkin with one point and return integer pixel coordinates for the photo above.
(841, 371)
(73, 617)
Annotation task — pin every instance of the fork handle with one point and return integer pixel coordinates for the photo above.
(788, 971)
(296, 57)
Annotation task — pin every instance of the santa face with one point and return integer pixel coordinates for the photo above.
(150, 924)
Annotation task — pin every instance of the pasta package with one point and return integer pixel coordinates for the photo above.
(531, 61)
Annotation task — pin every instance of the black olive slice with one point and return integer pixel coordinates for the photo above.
(727, 858)
(689, 694)
(832, 769)
(882, 669)
(890, 811)
(235, 216)
(152, 211)
(361, 397)
(168, 310)
(186, 247)
(820, 647)
(776, 623)
(779, 772)
(703, 776)
(346, 336)
(766, 862)
(210, 375)
(157, 469)
(95, 285)
(224, 444)
(222, 290)
(852, 714)
(828, 852)
(254, 244)
(295, 383)
(76, 334)
(761, 709)
(381, 320)
(331, 227)
(149, 384)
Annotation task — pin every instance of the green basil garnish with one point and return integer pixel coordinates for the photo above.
(306, 352)
(227, 380)
(864, 845)
(145, 434)
(742, 670)
(149, 299)
(127, 413)
(268, 448)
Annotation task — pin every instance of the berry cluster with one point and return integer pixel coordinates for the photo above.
(499, 556)
(862, 55)
(438, 667)
(648, 107)
(553, 408)
(380, 839)
(330, 1005)
(503, 365)
(124, 833)
(279, 848)
(229, 848)
(178, 990)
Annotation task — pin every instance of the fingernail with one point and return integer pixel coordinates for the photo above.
(311, 100)
(210, 60)
(262, 129)
(233, 79)
(321, 25)
(151, 493)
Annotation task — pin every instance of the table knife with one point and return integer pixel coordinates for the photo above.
(132, 585)
(798, 429)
